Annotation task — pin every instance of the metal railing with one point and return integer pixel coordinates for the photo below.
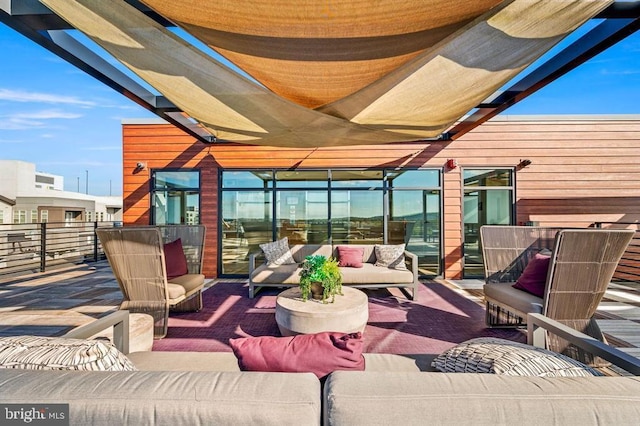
(629, 266)
(38, 247)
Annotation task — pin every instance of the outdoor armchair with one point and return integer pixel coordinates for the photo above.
(581, 265)
(137, 258)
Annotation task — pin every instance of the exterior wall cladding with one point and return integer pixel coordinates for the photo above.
(584, 169)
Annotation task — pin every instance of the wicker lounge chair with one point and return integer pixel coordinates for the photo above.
(137, 259)
(581, 267)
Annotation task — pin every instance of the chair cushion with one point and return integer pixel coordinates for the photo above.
(277, 252)
(500, 356)
(350, 257)
(320, 353)
(59, 353)
(390, 256)
(534, 277)
(505, 295)
(175, 260)
(185, 285)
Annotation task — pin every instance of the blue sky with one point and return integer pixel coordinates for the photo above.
(68, 123)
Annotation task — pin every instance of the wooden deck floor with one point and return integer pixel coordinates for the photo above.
(50, 304)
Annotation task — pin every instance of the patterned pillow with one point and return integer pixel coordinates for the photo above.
(499, 356)
(59, 353)
(277, 252)
(390, 256)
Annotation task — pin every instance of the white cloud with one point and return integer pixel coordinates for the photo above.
(12, 123)
(82, 163)
(33, 119)
(49, 114)
(620, 72)
(50, 98)
(103, 148)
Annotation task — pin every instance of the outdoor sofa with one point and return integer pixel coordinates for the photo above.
(368, 276)
(192, 388)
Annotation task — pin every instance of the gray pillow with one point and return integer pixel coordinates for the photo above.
(390, 256)
(59, 353)
(277, 252)
(499, 356)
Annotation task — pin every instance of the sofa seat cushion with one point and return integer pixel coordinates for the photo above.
(371, 274)
(519, 300)
(184, 285)
(170, 397)
(281, 274)
(396, 398)
(60, 353)
(500, 356)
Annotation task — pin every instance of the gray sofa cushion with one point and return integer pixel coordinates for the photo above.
(300, 251)
(170, 398)
(517, 299)
(184, 361)
(365, 398)
(370, 274)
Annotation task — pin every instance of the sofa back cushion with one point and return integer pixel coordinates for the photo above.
(300, 251)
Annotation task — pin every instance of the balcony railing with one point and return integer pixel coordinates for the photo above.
(38, 247)
(629, 266)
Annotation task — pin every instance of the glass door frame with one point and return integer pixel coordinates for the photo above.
(512, 209)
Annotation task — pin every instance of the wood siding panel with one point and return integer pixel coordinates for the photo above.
(582, 171)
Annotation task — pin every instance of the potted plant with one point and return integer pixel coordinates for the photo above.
(320, 277)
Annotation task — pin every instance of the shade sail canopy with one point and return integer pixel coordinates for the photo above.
(329, 73)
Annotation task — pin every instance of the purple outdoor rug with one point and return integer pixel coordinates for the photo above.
(438, 320)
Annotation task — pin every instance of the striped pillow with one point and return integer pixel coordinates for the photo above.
(59, 353)
(499, 356)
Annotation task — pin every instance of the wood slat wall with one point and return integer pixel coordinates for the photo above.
(583, 170)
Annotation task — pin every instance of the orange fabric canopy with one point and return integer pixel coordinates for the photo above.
(329, 72)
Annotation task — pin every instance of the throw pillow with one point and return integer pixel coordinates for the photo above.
(277, 252)
(59, 353)
(534, 276)
(320, 353)
(499, 356)
(174, 259)
(350, 256)
(390, 256)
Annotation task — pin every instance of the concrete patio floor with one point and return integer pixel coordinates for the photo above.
(52, 303)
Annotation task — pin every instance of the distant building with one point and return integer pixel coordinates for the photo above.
(29, 196)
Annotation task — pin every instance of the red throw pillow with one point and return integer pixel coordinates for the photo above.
(534, 276)
(319, 353)
(350, 256)
(175, 260)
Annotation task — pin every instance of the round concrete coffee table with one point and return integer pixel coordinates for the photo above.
(348, 314)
